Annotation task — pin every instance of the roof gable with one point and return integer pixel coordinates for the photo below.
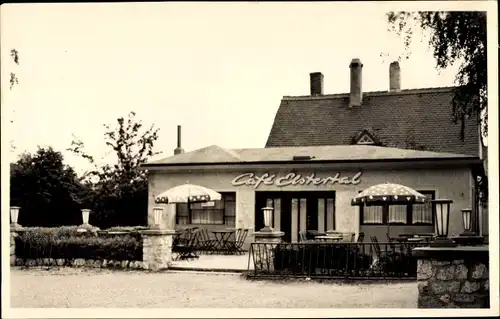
(411, 119)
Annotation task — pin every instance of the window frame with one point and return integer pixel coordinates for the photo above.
(409, 214)
(225, 216)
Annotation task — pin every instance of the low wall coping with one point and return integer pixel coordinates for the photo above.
(451, 253)
(157, 232)
(269, 234)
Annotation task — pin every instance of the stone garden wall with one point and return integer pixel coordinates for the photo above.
(453, 281)
(79, 262)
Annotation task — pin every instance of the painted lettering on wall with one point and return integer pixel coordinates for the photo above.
(250, 179)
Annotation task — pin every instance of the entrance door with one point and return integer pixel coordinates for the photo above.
(297, 211)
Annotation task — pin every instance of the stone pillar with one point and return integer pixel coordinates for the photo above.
(15, 229)
(263, 251)
(156, 248)
(453, 277)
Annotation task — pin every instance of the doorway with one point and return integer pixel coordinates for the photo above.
(297, 211)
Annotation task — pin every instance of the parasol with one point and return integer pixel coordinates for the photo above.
(388, 194)
(187, 193)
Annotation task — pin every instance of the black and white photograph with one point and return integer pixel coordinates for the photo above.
(249, 159)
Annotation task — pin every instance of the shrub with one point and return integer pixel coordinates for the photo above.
(65, 242)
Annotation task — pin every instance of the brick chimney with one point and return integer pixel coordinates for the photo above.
(356, 93)
(179, 149)
(394, 77)
(316, 83)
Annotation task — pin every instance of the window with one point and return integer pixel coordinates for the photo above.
(221, 212)
(423, 214)
(398, 214)
(372, 214)
(417, 214)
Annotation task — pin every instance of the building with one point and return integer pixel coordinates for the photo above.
(324, 149)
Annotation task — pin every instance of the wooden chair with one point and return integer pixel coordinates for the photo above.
(361, 237)
(236, 246)
(204, 241)
(185, 246)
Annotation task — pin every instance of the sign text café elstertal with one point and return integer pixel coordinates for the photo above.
(251, 179)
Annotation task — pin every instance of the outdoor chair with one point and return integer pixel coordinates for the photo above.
(361, 237)
(303, 237)
(236, 245)
(204, 241)
(382, 257)
(185, 245)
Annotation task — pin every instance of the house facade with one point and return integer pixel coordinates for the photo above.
(311, 188)
(323, 150)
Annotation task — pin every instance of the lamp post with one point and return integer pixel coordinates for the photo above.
(442, 219)
(268, 214)
(14, 215)
(466, 218)
(468, 237)
(157, 213)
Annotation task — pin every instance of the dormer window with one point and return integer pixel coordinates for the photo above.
(365, 138)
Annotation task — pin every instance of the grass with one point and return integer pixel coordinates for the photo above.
(80, 288)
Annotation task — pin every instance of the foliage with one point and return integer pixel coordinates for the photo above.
(57, 243)
(455, 37)
(119, 193)
(13, 77)
(46, 190)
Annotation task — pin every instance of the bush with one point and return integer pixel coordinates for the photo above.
(67, 243)
(307, 258)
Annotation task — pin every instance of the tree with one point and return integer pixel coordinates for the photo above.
(119, 192)
(47, 191)
(455, 37)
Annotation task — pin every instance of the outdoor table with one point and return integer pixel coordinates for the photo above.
(222, 238)
(328, 238)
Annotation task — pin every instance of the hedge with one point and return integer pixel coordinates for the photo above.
(66, 242)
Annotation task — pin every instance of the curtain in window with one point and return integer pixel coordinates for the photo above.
(397, 214)
(422, 213)
(210, 213)
(372, 214)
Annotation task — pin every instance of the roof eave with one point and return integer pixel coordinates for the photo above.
(462, 160)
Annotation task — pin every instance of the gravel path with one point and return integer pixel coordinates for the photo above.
(75, 288)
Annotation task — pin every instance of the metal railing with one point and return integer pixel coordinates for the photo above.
(334, 260)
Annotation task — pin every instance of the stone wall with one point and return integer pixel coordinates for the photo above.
(457, 280)
(78, 262)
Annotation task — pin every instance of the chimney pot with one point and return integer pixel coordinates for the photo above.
(356, 92)
(179, 149)
(316, 83)
(394, 77)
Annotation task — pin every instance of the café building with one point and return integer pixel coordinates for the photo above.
(311, 187)
(323, 149)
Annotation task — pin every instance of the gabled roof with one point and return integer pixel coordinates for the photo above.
(410, 119)
(218, 155)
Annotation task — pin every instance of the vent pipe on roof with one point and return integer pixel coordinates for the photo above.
(179, 149)
(356, 93)
(394, 77)
(316, 83)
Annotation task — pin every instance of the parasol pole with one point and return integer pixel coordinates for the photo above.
(387, 210)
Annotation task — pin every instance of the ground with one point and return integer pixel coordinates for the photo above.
(80, 288)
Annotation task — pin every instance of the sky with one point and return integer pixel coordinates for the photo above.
(218, 69)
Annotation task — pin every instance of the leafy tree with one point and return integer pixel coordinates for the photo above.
(455, 37)
(119, 193)
(47, 191)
